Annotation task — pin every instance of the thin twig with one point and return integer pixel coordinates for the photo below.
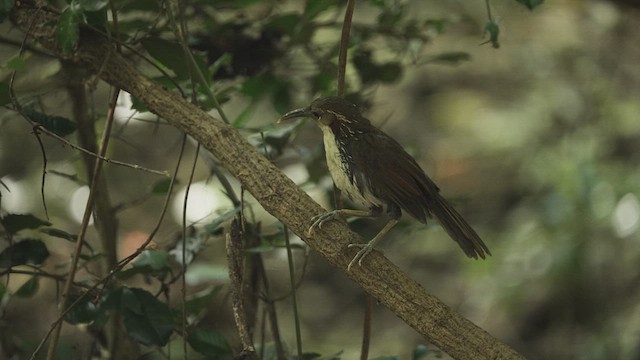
(97, 171)
(344, 46)
(366, 328)
(122, 262)
(183, 277)
(294, 298)
(98, 156)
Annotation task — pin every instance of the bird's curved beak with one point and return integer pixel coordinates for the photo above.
(294, 114)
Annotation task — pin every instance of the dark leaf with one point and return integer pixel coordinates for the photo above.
(98, 20)
(60, 234)
(147, 320)
(156, 262)
(530, 4)
(83, 312)
(138, 105)
(137, 5)
(493, 30)
(161, 186)
(68, 30)
(15, 222)
(258, 85)
(281, 97)
(262, 248)
(386, 358)
(16, 63)
(150, 262)
(29, 287)
(4, 294)
(437, 24)
(389, 72)
(208, 342)
(198, 301)
(154, 259)
(308, 356)
(92, 5)
(28, 251)
(454, 57)
(215, 224)
(285, 24)
(5, 7)
(422, 352)
(4, 93)
(171, 55)
(56, 124)
(314, 8)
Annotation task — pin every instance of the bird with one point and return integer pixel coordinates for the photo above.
(375, 171)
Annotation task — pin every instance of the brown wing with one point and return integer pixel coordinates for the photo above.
(394, 176)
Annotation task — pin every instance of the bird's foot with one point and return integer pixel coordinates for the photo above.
(319, 220)
(364, 251)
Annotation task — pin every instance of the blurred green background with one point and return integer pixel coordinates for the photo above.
(535, 142)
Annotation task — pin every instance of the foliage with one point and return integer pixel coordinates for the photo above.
(257, 60)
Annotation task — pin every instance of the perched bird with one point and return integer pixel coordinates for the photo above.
(375, 171)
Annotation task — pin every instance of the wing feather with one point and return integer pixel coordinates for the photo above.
(395, 177)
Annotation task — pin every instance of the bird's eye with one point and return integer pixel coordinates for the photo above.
(316, 114)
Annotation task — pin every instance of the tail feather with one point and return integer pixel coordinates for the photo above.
(458, 229)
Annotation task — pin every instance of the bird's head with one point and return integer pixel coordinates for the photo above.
(333, 112)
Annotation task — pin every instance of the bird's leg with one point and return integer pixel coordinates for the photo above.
(319, 220)
(368, 247)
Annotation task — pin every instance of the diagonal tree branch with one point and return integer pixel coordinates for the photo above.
(434, 320)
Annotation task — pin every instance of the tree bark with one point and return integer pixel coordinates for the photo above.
(440, 325)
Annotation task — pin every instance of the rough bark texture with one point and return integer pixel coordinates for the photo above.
(440, 325)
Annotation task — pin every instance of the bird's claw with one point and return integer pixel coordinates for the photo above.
(319, 220)
(364, 251)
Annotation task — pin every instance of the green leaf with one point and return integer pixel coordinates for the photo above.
(5, 8)
(171, 55)
(493, 30)
(389, 72)
(161, 187)
(28, 288)
(61, 234)
(146, 319)
(314, 8)
(215, 224)
(5, 97)
(92, 5)
(68, 30)
(209, 343)
(530, 4)
(453, 57)
(84, 312)
(15, 222)
(262, 248)
(4, 296)
(198, 301)
(98, 20)
(138, 5)
(56, 124)
(151, 258)
(16, 63)
(258, 85)
(28, 251)
(423, 352)
(150, 262)
(285, 23)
